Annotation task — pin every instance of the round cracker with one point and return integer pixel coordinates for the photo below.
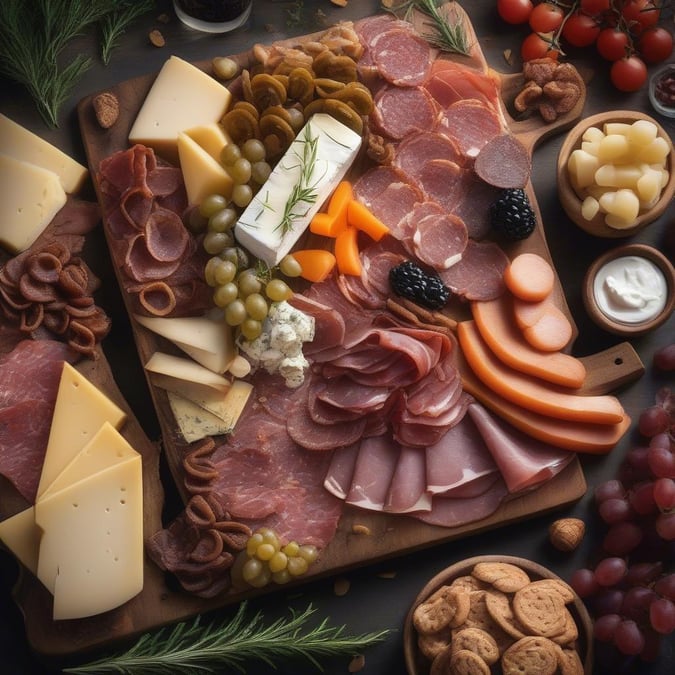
(531, 655)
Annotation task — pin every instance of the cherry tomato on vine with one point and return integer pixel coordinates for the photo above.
(580, 30)
(612, 44)
(546, 17)
(515, 11)
(655, 44)
(629, 73)
(538, 46)
(640, 14)
(595, 7)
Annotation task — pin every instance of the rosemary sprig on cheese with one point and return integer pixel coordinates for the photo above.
(193, 647)
(448, 36)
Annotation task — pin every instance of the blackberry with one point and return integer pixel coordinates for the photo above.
(512, 214)
(410, 281)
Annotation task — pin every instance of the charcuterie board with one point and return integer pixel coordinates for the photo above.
(390, 535)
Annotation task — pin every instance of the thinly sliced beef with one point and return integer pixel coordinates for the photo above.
(523, 461)
(479, 275)
(400, 111)
(401, 57)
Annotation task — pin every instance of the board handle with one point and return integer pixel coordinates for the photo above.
(611, 368)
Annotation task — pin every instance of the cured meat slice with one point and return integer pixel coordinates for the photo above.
(474, 205)
(408, 225)
(523, 461)
(471, 124)
(443, 181)
(400, 111)
(414, 151)
(440, 240)
(450, 512)
(166, 236)
(435, 393)
(402, 57)
(393, 204)
(373, 471)
(408, 488)
(503, 162)
(450, 82)
(329, 326)
(346, 394)
(479, 275)
(369, 28)
(341, 471)
(459, 459)
(373, 182)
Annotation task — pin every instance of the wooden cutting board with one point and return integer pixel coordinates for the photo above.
(390, 535)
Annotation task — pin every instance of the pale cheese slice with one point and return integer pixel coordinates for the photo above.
(202, 174)
(181, 97)
(30, 197)
(195, 422)
(186, 370)
(208, 341)
(80, 411)
(210, 399)
(212, 137)
(22, 144)
(22, 537)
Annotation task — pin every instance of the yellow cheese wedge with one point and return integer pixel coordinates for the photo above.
(30, 197)
(91, 550)
(22, 144)
(80, 411)
(22, 537)
(208, 341)
(212, 137)
(181, 97)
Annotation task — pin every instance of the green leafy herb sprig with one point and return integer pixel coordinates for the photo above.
(191, 647)
(447, 36)
(33, 36)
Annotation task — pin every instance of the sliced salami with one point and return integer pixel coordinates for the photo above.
(402, 57)
(400, 111)
(444, 182)
(471, 124)
(503, 162)
(440, 240)
(417, 149)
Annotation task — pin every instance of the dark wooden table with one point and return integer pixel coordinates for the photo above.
(379, 595)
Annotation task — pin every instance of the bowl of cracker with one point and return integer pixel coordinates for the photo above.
(498, 614)
(615, 173)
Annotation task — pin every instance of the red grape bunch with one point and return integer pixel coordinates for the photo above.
(628, 33)
(631, 589)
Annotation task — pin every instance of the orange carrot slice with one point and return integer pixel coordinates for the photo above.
(529, 277)
(362, 219)
(338, 205)
(347, 252)
(497, 326)
(323, 224)
(530, 393)
(543, 324)
(316, 264)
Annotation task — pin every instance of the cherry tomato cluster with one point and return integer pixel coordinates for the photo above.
(628, 33)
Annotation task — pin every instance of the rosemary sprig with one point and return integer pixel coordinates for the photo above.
(33, 36)
(450, 37)
(115, 23)
(304, 191)
(191, 647)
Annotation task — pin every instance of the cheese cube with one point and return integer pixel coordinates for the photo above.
(262, 229)
(30, 197)
(182, 96)
(22, 144)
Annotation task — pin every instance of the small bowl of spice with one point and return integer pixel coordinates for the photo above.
(662, 90)
(630, 290)
(498, 614)
(615, 173)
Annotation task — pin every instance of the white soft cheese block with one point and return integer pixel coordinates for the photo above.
(208, 341)
(202, 174)
(30, 197)
(20, 143)
(91, 550)
(186, 370)
(259, 227)
(80, 411)
(22, 537)
(181, 97)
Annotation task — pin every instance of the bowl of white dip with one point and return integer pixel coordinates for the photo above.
(630, 290)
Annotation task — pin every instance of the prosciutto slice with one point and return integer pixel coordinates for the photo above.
(373, 472)
(408, 488)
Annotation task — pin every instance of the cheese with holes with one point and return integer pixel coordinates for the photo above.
(181, 97)
(30, 197)
(315, 163)
(20, 535)
(22, 144)
(186, 370)
(80, 411)
(203, 175)
(91, 550)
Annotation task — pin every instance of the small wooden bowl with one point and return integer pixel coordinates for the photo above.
(417, 664)
(625, 328)
(571, 201)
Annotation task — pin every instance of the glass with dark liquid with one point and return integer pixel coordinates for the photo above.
(213, 16)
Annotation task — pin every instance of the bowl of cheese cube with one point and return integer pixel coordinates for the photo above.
(615, 173)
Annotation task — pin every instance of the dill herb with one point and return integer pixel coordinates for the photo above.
(447, 35)
(33, 36)
(304, 191)
(192, 647)
(115, 23)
